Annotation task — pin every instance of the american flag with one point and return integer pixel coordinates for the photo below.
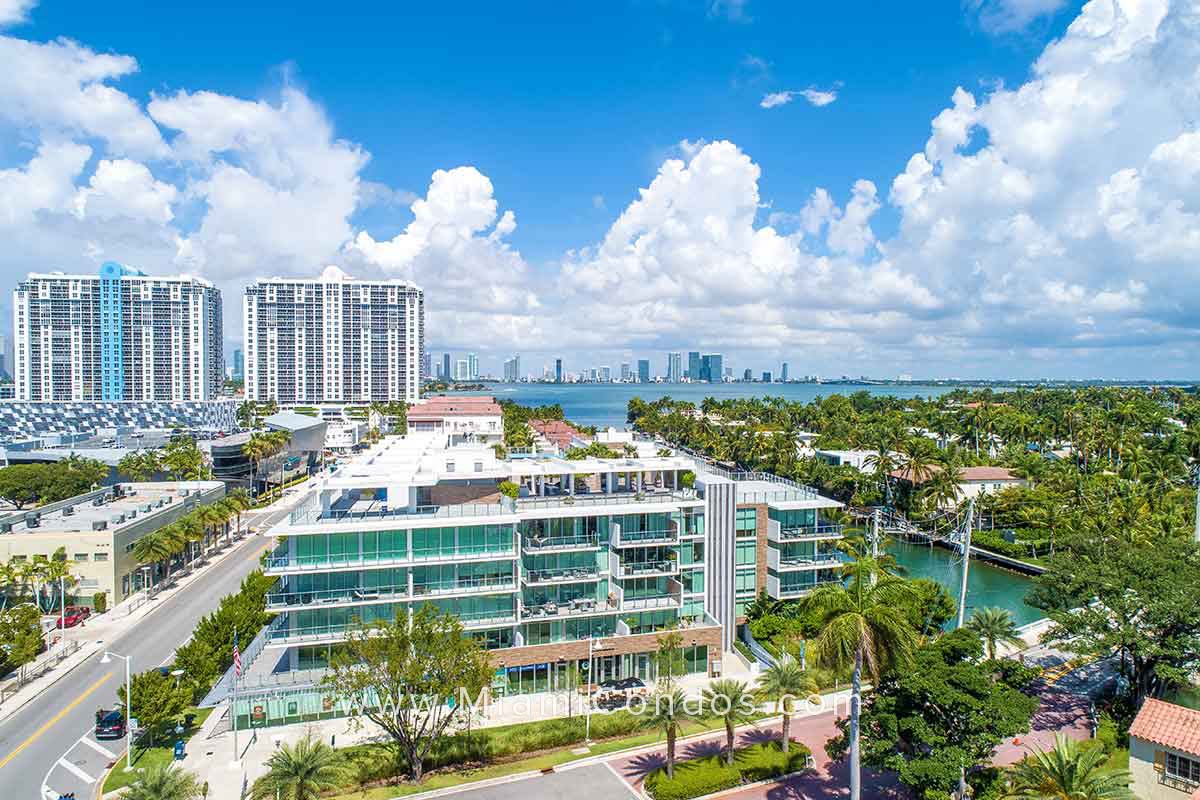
(237, 658)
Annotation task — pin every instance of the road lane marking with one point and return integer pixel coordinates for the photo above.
(76, 771)
(99, 748)
(54, 720)
(49, 793)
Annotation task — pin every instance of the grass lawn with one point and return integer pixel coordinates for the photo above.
(162, 752)
(457, 776)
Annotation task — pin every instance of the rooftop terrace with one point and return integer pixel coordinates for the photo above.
(78, 514)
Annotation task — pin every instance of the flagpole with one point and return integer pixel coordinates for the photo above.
(233, 702)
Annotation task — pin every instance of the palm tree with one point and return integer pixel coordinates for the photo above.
(732, 702)
(164, 781)
(1067, 772)
(864, 624)
(668, 712)
(783, 682)
(9, 580)
(242, 501)
(302, 771)
(994, 626)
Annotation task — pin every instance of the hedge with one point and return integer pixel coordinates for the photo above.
(702, 776)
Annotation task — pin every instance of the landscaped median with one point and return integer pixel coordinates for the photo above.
(162, 752)
(702, 776)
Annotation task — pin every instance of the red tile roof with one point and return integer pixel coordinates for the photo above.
(467, 406)
(1168, 725)
(557, 431)
(986, 474)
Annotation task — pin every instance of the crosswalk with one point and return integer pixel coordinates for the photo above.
(79, 769)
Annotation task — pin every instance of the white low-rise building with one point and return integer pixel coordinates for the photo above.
(1164, 752)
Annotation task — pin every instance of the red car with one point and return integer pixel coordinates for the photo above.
(72, 616)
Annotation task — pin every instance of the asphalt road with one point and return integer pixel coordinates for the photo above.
(594, 782)
(46, 748)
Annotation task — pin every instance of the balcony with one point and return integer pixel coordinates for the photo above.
(787, 591)
(651, 603)
(465, 586)
(782, 561)
(545, 577)
(324, 634)
(646, 569)
(374, 511)
(580, 606)
(285, 565)
(531, 543)
(647, 495)
(624, 538)
(823, 530)
(284, 599)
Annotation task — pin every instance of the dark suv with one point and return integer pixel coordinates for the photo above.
(110, 724)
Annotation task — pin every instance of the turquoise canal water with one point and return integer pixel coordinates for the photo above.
(987, 585)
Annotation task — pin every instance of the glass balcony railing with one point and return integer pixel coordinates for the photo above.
(810, 531)
(363, 512)
(787, 589)
(532, 543)
(640, 569)
(285, 598)
(809, 562)
(534, 577)
(648, 495)
(566, 608)
(507, 583)
(296, 635)
(381, 559)
(643, 603)
(641, 538)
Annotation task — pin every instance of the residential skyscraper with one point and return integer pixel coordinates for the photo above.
(446, 374)
(462, 370)
(472, 367)
(426, 366)
(674, 367)
(333, 338)
(512, 369)
(694, 366)
(747, 375)
(783, 373)
(643, 371)
(626, 371)
(766, 377)
(117, 335)
(239, 364)
(558, 370)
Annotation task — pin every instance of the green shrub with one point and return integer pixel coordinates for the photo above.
(702, 776)
(1107, 733)
(693, 779)
(100, 602)
(509, 489)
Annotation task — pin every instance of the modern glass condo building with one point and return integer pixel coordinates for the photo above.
(117, 335)
(611, 550)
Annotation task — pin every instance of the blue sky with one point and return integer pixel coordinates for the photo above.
(984, 188)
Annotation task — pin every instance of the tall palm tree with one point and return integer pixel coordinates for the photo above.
(732, 702)
(1067, 772)
(242, 501)
(994, 626)
(302, 771)
(667, 712)
(783, 682)
(864, 624)
(164, 781)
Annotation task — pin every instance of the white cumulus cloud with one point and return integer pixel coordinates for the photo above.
(815, 97)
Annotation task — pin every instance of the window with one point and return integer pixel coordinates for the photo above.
(745, 555)
(744, 581)
(1183, 768)
(449, 466)
(100, 557)
(80, 557)
(746, 520)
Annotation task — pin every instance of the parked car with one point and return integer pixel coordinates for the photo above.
(110, 724)
(72, 616)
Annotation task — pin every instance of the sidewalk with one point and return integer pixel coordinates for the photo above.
(91, 636)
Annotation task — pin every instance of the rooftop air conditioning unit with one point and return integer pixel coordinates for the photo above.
(5, 527)
(99, 525)
(132, 513)
(98, 500)
(145, 508)
(33, 520)
(118, 519)
(184, 492)
(68, 510)
(168, 500)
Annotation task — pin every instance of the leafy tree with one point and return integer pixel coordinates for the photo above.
(732, 702)
(1108, 594)
(20, 637)
(209, 652)
(408, 677)
(23, 484)
(864, 624)
(668, 710)
(995, 626)
(303, 771)
(930, 607)
(783, 682)
(1067, 772)
(668, 659)
(141, 465)
(942, 713)
(157, 698)
(164, 781)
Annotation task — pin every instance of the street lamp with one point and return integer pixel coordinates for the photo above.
(107, 659)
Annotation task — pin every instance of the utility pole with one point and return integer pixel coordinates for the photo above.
(966, 563)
